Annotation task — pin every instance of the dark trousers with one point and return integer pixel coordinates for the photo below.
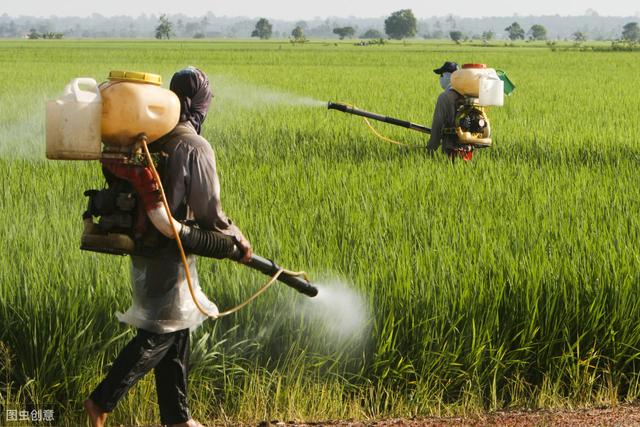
(167, 354)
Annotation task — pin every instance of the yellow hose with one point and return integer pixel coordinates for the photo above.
(382, 137)
(176, 236)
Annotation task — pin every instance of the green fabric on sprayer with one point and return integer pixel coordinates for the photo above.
(444, 118)
(161, 299)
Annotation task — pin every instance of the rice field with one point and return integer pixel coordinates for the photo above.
(508, 282)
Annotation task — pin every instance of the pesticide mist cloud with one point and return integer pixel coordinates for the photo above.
(250, 96)
(23, 138)
(339, 314)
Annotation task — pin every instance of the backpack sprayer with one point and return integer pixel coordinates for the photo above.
(114, 122)
(481, 87)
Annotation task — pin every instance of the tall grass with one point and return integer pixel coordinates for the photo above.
(507, 282)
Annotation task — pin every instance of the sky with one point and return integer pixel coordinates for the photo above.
(302, 9)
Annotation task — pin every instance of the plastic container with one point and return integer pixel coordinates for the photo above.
(466, 81)
(135, 103)
(491, 92)
(73, 122)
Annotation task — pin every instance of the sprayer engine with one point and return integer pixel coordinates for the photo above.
(121, 226)
(472, 125)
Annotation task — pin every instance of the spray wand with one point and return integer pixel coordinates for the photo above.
(345, 108)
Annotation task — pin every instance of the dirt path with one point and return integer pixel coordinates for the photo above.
(621, 416)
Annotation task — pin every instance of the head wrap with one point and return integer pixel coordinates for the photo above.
(192, 87)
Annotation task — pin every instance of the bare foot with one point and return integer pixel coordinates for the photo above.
(96, 415)
(190, 423)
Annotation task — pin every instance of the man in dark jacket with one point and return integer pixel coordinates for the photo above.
(163, 310)
(444, 115)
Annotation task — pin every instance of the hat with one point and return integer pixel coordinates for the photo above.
(447, 67)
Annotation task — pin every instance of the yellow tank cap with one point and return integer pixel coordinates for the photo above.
(136, 77)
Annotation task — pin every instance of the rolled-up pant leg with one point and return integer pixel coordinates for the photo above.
(143, 353)
(171, 381)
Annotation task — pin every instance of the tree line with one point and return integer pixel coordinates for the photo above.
(403, 24)
(590, 26)
(630, 33)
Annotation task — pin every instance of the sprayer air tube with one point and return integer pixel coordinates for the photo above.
(213, 244)
(217, 245)
(208, 243)
(368, 114)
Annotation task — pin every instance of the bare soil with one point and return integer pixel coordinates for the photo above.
(620, 416)
(623, 416)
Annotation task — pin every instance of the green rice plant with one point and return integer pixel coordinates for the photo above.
(508, 282)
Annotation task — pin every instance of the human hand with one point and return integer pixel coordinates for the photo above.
(245, 247)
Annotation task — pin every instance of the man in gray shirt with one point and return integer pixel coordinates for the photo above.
(444, 117)
(163, 310)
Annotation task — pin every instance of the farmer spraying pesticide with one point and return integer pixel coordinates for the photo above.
(442, 125)
(161, 205)
(460, 122)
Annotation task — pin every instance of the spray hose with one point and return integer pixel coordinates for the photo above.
(183, 256)
(385, 138)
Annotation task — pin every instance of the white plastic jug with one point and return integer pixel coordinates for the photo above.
(73, 122)
(491, 91)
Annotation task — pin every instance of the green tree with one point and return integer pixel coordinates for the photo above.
(515, 31)
(372, 34)
(456, 36)
(343, 32)
(401, 24)
(264, 29)
(164, 28)
(579, 37)
(52, 35)
(298, 34)
(537, 32)
(631, 32)
(488, 35)
(33, 34)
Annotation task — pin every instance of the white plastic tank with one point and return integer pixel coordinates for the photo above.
(73, 122)
(491, 92)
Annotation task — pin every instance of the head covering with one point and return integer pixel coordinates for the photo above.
(447, 67)
(192, 87)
